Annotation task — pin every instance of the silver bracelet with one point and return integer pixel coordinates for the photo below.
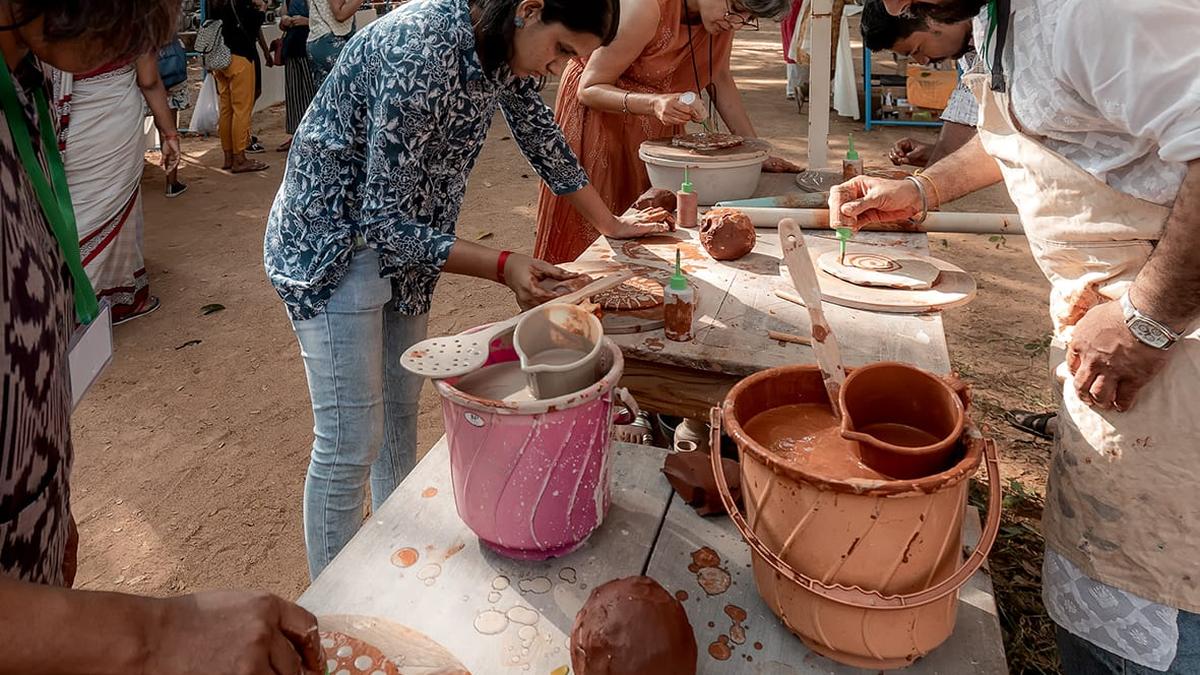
(924, 201)
(625, 103)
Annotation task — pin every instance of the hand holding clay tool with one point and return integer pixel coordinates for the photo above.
(804, 278)
(460, 354)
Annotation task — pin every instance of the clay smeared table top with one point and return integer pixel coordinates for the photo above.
(454, 589)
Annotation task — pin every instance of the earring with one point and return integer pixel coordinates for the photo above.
(519, 21)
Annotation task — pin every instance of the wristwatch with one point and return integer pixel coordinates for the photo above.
(1148, 331)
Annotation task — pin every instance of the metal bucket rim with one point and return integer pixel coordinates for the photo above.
(604, 385)
(962, 470)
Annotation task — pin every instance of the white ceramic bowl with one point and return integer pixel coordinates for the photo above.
(714, 181)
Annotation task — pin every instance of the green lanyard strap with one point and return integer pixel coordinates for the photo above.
(55, 200)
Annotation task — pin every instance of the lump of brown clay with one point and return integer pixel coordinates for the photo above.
(632, 626)
(691, 475)
(655, 198)
(727, 234)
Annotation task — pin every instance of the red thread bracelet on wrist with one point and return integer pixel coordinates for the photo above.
(500, 263)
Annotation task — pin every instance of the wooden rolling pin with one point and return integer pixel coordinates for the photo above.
(962, 223)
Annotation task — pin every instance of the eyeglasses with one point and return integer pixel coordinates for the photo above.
(737, 20)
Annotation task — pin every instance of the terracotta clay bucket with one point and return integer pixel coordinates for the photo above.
(866, 572)
(906, 421)
(531, 478)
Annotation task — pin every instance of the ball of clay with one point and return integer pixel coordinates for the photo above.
(632, 626)
(655, 198)
(727, 234)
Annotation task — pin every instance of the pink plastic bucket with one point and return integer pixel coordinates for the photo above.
(531, 479)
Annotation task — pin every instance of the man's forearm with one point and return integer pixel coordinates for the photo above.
(55, 630)
(964, 171)
(952, 137)
(1168, 287)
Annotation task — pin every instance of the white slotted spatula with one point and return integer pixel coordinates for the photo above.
(456, 355)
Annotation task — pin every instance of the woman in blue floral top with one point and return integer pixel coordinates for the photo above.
(364, 221)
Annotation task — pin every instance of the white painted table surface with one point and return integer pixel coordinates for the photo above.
(647, 530)
(737, 305)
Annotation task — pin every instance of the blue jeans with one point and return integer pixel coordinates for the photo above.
(364, 405)
(1080, 657)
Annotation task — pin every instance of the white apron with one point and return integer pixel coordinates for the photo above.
(1123, 499)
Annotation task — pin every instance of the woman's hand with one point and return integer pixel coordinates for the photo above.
(865, 200)
(640, 224)
(170, 152)
(235, 633)
(670, 110)
(532, 279)
(780, 165)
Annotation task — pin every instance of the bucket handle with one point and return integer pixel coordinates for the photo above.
(853, 596)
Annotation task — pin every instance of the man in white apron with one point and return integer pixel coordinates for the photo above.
(1090, 113)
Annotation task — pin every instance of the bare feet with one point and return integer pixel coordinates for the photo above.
(228, 161)
(249, 166)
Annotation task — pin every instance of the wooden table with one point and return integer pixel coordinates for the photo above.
(456, 585)
(737, 305)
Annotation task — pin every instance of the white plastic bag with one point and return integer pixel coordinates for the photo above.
(208, 112)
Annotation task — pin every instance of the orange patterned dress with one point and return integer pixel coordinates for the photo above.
(607, 143)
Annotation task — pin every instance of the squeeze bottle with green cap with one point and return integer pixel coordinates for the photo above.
(687, 203)
(679, 306)
(851, 166)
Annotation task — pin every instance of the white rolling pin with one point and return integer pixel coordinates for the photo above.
(962, 223)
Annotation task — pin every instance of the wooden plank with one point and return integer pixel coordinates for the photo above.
(495, 615)
(672, 390)
(975, 647)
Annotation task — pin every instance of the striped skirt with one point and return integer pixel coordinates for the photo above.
(299, 90)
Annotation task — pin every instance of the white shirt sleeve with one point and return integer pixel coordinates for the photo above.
(1138, 65)
(962, 108)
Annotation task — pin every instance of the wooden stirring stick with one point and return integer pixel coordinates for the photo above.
(804, 278)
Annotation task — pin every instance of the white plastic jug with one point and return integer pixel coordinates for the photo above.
(559, 347)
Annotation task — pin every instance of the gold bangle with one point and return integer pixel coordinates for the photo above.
(938, 195)
(625, 103)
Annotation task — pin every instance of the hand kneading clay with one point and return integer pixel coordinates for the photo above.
(727, 234)
(632, 626)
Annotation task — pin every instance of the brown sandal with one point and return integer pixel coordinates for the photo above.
(250, 166)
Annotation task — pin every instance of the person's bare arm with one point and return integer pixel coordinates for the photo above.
(155, 94)
(1168, 287)
(597, 84)
(344, 9)
(876, 200)
(952, 137)
(591, 206)
(50, 630)
(522, 273)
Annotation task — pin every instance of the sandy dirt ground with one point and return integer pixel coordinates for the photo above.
(191, 451)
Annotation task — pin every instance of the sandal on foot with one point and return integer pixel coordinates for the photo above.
(250, 167)
(1031, 422)
(151, 304)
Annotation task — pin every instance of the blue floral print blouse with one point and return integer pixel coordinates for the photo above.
(384, 154)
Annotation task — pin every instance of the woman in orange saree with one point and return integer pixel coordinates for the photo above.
(628, 92)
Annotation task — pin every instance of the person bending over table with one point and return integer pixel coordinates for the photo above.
(45, 626)
(628, 92)
(1090, 114)
(363, 224)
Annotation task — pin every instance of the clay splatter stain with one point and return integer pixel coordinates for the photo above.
(819, 333)
(568, 575)
(454, 550)
(500, 583)
(654, 344)
(704, 557)
(405, 557)
(429, 492)
(491, 622)
(737, 632)
(758, 646)
(706, 565)
(536, 585)
(720, 649)
(681, 596)
(430, 573)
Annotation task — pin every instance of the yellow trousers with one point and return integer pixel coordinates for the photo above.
(235, 85)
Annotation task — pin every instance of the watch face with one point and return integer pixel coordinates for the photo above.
(1149, 333)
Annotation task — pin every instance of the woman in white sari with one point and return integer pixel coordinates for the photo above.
(102, 140)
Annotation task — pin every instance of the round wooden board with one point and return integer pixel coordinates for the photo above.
(953, 288)
(751, 148)
(413, 652)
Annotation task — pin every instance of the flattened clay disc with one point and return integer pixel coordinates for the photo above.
(637, 293)
(349, 654)
(707, 141)
(874, 269)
